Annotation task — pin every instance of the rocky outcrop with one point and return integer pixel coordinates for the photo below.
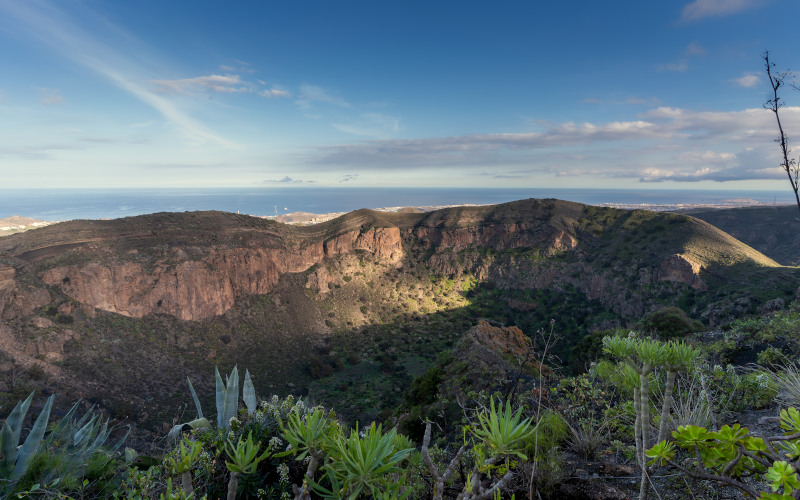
(17, 299)
(682, 269)
(198, 289)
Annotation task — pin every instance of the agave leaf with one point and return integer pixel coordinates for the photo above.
(89, 414)
(227, 397)
(249, 393)
(122, 440)
(198, 423)
(63, 424)
(194, 397)
(32, 442)
(220, 396)
(232, 396)
(102, 435)
(14, 420)
(8, 446)
(85, 433)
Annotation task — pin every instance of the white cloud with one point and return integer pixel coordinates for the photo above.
(273, 93)
(665, 143)
(749, 80)
(50, 97)
(700, 9)
(213, 83)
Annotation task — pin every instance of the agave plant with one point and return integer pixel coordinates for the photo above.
(16, 459)
(227, 399)
(77, 440)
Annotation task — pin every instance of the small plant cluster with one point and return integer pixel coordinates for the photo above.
(276, 448)
(732, 454)
(72, 457)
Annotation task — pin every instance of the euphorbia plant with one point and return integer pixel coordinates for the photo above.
(732, 452)
(244, 460)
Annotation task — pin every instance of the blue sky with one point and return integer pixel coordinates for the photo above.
(622, 94)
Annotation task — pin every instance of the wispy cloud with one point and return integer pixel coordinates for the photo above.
(273, 93)
(310, 94)
(348, 178)
(210, 83)
(695, 49)
(371, 125)
(749, 80)
(49, 97)
(700, 9)
(676, 66)
(692, 50)
(110, 58)
(286, 180)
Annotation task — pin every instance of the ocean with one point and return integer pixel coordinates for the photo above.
(67, 204)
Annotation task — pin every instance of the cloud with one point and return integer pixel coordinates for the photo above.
(211, 83)
(371, 125)
(749, 80)
(49, 97)
(482, 148)
(677, 66)
(652, 101)
(348, 178)
(696, 50)
(700, 9)
(37, 152)
(287, 180)
(273, 93)
(310, 94)
(663, 144)
(106, 50)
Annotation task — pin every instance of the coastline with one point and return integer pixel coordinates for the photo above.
(16, 223)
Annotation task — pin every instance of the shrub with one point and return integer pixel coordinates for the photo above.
(670, 322)
(425, 388)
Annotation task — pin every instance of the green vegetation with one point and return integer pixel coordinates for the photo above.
(657, 407)
(386, 338)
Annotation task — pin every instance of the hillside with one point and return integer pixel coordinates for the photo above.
(774, 231)
(121, 311)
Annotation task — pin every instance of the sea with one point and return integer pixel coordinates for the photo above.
(69, 204)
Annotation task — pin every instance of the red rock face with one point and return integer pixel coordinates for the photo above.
(198, 289)
(682, 269)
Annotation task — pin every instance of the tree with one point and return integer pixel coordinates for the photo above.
(790, 166)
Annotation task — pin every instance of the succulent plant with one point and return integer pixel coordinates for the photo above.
(16, 459)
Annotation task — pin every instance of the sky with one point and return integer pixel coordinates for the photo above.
(616, 94)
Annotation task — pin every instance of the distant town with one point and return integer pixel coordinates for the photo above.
(17, 223)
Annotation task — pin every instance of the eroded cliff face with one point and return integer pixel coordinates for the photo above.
(208, 283)
(209, 286)
(200, 288)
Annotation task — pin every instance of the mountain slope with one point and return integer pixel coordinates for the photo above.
(351, 308)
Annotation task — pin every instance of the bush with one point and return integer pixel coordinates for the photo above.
(670, 322)
(425, 388)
